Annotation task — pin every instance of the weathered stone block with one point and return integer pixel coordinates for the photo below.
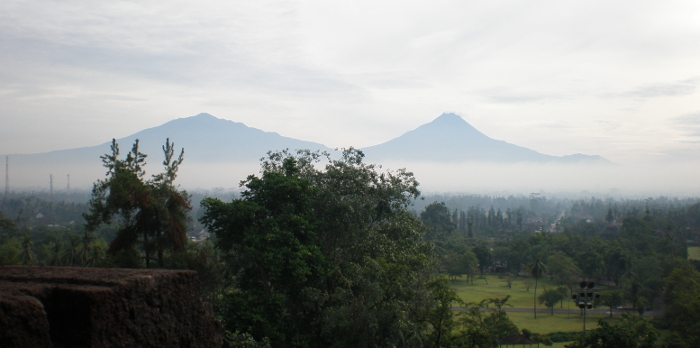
(83, 307)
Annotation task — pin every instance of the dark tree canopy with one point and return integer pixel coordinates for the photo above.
(325, 257)
(149, 213)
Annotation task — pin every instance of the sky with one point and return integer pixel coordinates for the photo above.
(617, 79)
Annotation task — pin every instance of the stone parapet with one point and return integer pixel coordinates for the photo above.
(88, 307)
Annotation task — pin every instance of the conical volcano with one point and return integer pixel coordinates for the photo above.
(449, 138)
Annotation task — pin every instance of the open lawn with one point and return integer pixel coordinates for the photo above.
(694, 253)
(521, 298)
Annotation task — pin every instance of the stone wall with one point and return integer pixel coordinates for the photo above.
(86, 307)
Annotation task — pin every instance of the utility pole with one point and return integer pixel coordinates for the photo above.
(68, 188)
(51, 187)
(584, 298)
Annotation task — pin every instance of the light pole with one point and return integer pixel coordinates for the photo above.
(584, 298)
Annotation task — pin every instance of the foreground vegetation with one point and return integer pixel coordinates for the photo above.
(321, 252)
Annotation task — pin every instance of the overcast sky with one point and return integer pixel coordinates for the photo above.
(614, 78)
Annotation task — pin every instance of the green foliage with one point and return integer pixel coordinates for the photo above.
(10, 252)
(243, 340)
(439, 314)
(483, 253)
(482, 325)
(611, 299)
(6, 225)
(563, 269)
(563, 336)
(544, 339)
(631, 332)
(150, 213)
(550, 297)
(457, 264)
(325, 257)
(682, 297)
(438, 219)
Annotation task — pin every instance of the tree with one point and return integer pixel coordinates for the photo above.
(438, 220)
(457, 264)
(631, 332)
(441, 318)
(591, 263)
(682, 297)
(485, 328)
(484, 255)
(70, 255)
(563, 269)
(550, 298)
(152, 210)
(86, 243)
(6, 225)
(270, 235)
(611, 299)
(27, 255)
(10, 252)
(325, 256)
(616, 263)
(536, 269)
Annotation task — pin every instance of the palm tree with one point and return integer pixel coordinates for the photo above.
(86, 240)
(56, 253)
(27, 255)
(70, 255)
(536, 269)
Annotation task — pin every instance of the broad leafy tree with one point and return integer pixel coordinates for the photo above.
(550, 297)
(439, 221)
(563, 269)
(631, 332)
(484, 324)
(682, 296)
(611, 299)
(325, 256)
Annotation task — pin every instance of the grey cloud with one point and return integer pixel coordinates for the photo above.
(559, 126)
(502, 96)
(608, 125)
(679, 88)
(690, 124)
(513, 99)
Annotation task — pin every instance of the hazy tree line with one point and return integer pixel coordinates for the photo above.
(317, 252)
(637, 249)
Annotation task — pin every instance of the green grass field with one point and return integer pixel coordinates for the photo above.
(694, 253)
(521, 298)
(558, 345)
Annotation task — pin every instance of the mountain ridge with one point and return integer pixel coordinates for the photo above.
(449, 138)
(210, 141)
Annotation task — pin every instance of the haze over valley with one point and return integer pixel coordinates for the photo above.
(446, 155)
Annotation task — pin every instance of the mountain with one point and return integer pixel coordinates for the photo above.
(205, 138)
(449, 138)
(210, 139)
(219, 152)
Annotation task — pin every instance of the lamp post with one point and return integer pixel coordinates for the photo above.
(584, 298)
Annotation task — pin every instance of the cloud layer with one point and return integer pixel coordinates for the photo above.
(613, 79)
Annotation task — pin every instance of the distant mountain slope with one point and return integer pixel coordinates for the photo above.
(449, 138)
(210, 139)
(205, 138)
(216, 148)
